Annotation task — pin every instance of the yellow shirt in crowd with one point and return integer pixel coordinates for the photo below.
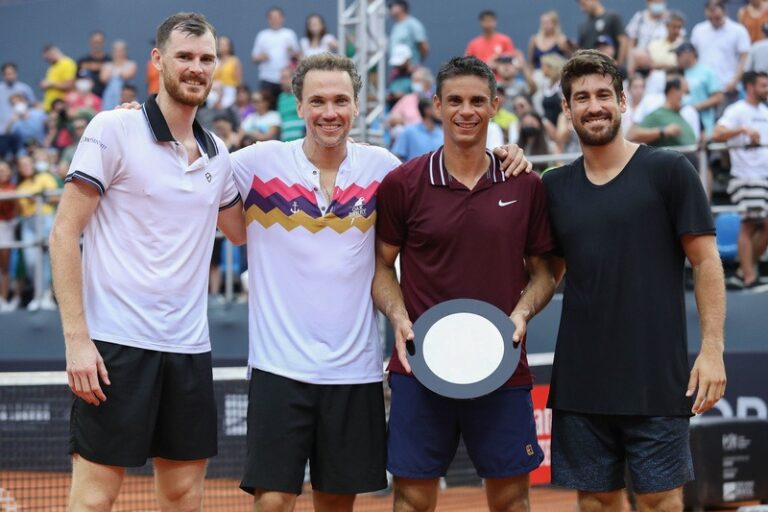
(40, 182)
(64, 69)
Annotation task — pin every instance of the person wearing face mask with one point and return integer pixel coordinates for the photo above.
(35, 178)
(83, 98)
(648, 24)
(10, 85)
(26, 124)
(406, 110)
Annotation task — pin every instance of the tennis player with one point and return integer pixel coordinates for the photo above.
(147, 189)
(625, 217)
(462, 229)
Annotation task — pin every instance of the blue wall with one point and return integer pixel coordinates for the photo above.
(27, 25)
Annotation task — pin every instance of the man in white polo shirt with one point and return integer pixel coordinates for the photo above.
(146, 188)
(273, 50)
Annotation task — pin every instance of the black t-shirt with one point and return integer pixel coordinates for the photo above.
(98, 85)
(609, 23)
(622, 346)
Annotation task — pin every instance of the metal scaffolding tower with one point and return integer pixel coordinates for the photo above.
(361, 27)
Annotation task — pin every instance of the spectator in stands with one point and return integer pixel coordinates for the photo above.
(407, 30)
(128, 94)
(243, 103)
(648, 24)
(59, 77)
(636, 89)
(757, 58)
(507, 120)
(82, 99)
(114, 74)
(229, 71)
(722, 44)
(58, 127)
(533, 138)
(549, 39)
(641, 64)
(9, 86)
(90, 65)
(35, 178)
(665, 126)
(654, 100)
(274, 48)
(422, 137)
(515, 77)
(406, 111)
(79, 124)
(153, 76)
(27, 123)
(401, 63)
(753, 16)
(599, 22)
(223, 127)
(705, 89)
(291, 125)
(521, 104)
(490, 44)
(551, 103)
(217, 105)
(744, 124)
(316, 38)
(8, 212)
(605, 44)
(264, 122)
(661, 49)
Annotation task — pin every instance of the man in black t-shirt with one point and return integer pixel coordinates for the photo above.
(90, 65)
(601, 22)
(625, 217)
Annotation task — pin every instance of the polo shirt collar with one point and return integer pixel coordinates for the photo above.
(440, 177)
(161, 133)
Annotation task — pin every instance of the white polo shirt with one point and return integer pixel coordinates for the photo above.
(277, 44)
(720, 48)
(751, 163)
(147, 248)
(310, 263)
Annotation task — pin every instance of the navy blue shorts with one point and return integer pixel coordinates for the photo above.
(590, 452)
(424, 428)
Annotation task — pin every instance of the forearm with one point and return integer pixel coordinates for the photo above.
(710, 102)
(387, 294)
(68, 285)
(722, 134)
(645, 135)
(710, 301)
(538, 293)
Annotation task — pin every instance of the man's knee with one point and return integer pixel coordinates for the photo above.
(94, 486)
(415, 495)
(667, 501)
(600, 501)
(271, 501)
(180, 485)
(507, 494)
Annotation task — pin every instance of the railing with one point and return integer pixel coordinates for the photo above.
(229, 271)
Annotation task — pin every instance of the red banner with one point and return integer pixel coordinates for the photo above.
(543, 417)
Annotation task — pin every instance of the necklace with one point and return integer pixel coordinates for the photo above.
(328, 193)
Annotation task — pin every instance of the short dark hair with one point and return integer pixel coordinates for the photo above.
(589, 62)
(9, 65)
(750, 77)
(714, 3)
(190, 23)
(673, 83)
(129, 87)
(401, 3)
(486, 13)
(423, 105)
(325, 62)
(276, 8)
(676, 16)
(48, 47)
(466, 66)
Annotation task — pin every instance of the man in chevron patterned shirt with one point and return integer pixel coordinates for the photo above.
(315, 357)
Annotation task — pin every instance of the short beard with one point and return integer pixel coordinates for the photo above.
(588, 139)
(173, 88)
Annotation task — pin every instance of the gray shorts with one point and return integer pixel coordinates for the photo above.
(591, 451)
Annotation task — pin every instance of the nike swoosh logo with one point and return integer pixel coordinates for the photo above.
(506, 203)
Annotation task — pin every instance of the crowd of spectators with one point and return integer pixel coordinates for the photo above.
(680, 77)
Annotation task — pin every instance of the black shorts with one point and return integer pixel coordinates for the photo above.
(159, 404)
(590, 451)
(340, 429)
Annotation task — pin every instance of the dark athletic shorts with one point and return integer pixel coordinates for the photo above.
(590, 451)
(340, 429)
(160, 404)
(498, 430)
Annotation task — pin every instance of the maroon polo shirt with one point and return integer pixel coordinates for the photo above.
(460, 243)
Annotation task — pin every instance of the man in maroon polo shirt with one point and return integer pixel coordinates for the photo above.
(463, 230)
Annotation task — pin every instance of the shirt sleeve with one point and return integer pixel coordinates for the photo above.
(633, 27)
(419, 32)
(257, 45)
(391, 209)
(98, 157)
(229, 194)
(539, 240)
(688, 202)
(744, 42)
